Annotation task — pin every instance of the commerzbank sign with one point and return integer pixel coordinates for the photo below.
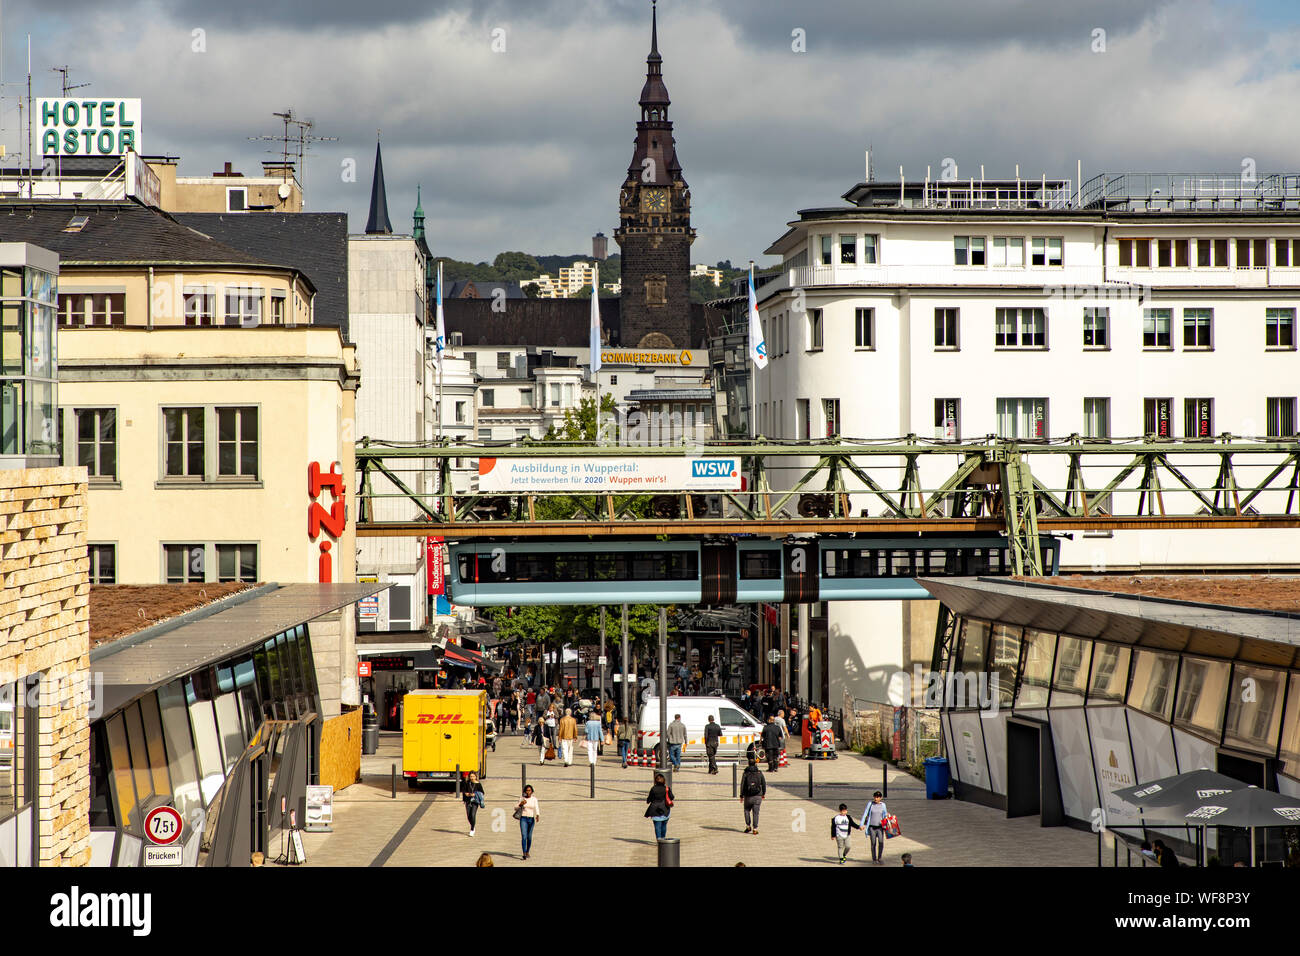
(88, 127)
(646, 357)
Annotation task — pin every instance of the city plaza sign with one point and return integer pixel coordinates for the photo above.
(89, 127)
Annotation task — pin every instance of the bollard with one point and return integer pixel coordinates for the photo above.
(593, 781)
(810, 780)
(670, 852)
(884, 772)
(457, 781)
(735, 791)
(394, 781)
(523, 777)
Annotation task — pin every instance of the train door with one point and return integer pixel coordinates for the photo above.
(801, 572)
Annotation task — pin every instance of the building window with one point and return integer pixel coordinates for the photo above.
(1197, 324)
(472, 358)
(236, 199)
(1279, 328)
(1212, 253)
(503, 361)
(802, 426)
(831, 407)
(489, 397)
(1008, 252)
(947, 419)
(864, 328)
(89, 309)
(244, 309)
(1022, 417)
(1047, 251)
(848, 250)
(185, 563)
(1096, 418)
(103, 563)
(485, 434)
(1021, 328)
(869, 250)
(526, 394)
(814, 330)
(1252, 253)
(236, 562)
(460, 413)
(237, 442)
(1157, 417)
(200, 308)
(183, 442)
(968, 250)
(1096, 328)
(945, 328)
(97, 441)
(1171, 253)
(1198, 417)
(277, 309)
(1286, 252)
(827, 250)
(1157, 328)
(1135, 253)
(1280, 415)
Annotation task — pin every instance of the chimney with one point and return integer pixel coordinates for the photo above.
(228, 171)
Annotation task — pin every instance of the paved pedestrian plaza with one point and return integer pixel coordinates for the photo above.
(428, 827)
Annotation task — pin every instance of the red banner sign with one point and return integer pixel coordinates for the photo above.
(433, 557)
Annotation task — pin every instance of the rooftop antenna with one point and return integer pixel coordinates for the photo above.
(305, 139)
(283, 138)
(67, 88)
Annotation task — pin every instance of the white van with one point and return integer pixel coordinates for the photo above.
(739, 727)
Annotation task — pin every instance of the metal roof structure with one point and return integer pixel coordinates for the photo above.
(174, 648)
(1270, 638)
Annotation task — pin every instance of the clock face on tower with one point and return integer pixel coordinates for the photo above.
(654, 200)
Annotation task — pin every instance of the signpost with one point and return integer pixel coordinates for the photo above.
(163, 827)
(320, 808)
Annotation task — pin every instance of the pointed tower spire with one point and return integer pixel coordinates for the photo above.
(654, 32)
(378, 223)
(418, 216)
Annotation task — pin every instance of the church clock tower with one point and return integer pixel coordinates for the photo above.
(654, 233)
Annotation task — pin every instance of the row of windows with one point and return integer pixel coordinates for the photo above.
(555, 567)
(1203, 253)
(184, 563)
(1008, 251)
(1028, 417)
(241, 308)
(1026, 327)
(1037, 669)
(202, 443)
(178, 744)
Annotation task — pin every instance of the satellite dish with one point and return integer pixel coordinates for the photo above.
(283, 191)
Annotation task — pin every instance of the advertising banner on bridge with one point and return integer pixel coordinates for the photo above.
(612, 475)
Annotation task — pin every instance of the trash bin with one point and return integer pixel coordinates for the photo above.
(369, 732)
(670, 852)
(936, 778)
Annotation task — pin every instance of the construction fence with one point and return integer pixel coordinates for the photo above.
(905, 735)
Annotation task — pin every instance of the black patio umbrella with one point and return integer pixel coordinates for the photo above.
(1185, 790)
(1247, 808)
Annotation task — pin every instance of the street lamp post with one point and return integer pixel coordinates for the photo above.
(600, 661)
(626, 713)
(663, 688)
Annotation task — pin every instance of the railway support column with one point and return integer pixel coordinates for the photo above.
(663, 688)
(627, 714)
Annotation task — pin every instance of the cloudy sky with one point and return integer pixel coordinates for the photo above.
(526, 147)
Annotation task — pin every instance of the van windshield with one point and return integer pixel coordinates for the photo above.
(735, 717)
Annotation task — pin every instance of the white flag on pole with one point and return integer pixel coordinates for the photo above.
(440, 330)
(757, 344)
(595, 321)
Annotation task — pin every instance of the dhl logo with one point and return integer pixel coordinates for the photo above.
(441, 719)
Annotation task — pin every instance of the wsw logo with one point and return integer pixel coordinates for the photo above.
(714, 468)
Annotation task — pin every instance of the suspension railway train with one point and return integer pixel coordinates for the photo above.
(725, 571)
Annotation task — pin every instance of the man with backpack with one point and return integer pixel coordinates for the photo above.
(753, 788)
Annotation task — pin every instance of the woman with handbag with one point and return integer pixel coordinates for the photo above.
(527, 813)
(541, 740)
(660, 800)
(474, 797)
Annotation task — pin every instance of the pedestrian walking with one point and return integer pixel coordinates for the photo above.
(626, 736)
(712, 736)
(753, 789)
(527, 812)
(568, 732)
(660, 806)
(873, 822)
(490, 734)
(541, 739)
(474, 797)
(676, 741)
(842, 827)
(772, 743)
(595, 735)
(785, 728)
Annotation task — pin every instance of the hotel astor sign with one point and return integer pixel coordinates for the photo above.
(88, 127)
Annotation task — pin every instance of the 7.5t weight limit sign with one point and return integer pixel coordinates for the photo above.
(163, 826)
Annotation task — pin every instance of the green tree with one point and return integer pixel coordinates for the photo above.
(583, 293)
(516, 266)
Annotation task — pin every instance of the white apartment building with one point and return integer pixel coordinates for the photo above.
(1140, 305)
(707, 271)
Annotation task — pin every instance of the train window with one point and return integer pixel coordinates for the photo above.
(900, 564)
(829, 563)
(464, 567)
(531, 567)
(647, 567)
(572, 567)
(760, 565)
(683, 565)
(606, 567)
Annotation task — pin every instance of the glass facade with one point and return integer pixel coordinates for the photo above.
(28, 366)
(177, 744)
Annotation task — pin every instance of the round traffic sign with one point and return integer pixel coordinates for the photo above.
(774, 656)
(163, 826)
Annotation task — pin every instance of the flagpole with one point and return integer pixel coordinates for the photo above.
(753, 371)
(441, 346)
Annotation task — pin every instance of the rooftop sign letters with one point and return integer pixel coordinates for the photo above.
(88, 127)
(646, 357)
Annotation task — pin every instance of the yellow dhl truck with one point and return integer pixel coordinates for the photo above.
(441, 731)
